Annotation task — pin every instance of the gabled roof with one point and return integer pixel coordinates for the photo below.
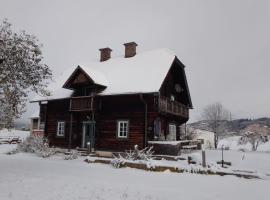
(143, 73)
(94, 77)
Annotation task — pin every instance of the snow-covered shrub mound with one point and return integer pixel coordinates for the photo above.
(118, 162)
(72, 155)
(38, 145)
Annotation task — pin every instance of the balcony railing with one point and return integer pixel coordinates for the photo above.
(82, 104)
(173, 107)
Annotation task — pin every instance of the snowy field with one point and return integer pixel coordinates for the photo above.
(257, 162)
(25, 176)
(232, 144)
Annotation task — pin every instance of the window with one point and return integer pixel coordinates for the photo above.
(122, 128)
(172, 132)
(60, 129)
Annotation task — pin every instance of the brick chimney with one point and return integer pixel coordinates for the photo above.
(105, 54)
(130, 49)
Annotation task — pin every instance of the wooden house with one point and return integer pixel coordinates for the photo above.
(120, 102)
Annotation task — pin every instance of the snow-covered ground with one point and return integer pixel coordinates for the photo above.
(232, 144)
(258, 162)
(26, 176)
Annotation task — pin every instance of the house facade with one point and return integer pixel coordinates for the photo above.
(120, 102)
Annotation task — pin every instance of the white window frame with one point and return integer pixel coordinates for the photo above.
(172, 131)
(122, 129)
(60, 129)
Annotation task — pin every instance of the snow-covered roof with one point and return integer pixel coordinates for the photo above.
(143, 73)
(97, 76)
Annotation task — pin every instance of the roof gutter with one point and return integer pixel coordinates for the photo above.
(145, 119)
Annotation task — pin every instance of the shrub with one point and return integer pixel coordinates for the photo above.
(145, 154)
(38, 145)
(72, 155)
(118, 162)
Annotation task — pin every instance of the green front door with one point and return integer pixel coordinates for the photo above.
(88, 134)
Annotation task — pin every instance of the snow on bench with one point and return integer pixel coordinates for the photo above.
(10, 139)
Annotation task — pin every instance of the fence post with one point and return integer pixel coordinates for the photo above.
(203, 158)
(88, 144)
(222, 158)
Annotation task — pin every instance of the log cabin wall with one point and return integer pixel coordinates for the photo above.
(110, 110)
(114, 108)
(57, 111)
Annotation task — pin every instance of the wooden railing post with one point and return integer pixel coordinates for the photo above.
(81, 103)
(173, 107)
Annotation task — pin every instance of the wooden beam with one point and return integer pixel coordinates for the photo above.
(70, 131)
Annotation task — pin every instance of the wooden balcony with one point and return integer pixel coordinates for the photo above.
(173, 107)
(85, 103)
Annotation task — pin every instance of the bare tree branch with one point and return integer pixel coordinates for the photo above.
(214, 114)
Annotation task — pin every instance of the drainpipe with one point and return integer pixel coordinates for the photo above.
(70, 132)
(145, 119)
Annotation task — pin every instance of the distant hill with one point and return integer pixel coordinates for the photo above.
(232, 127)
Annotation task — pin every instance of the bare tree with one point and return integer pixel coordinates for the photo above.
(215, 114)
(255, 134)
(21, 71)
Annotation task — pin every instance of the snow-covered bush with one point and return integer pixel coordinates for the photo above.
(38, 145)
(72, 155)
(136, 154)
(145, 154)
(255, 134)
(118, 162)
(254, 139)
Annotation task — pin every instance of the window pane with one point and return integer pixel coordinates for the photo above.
(60, 128)
(122, 129)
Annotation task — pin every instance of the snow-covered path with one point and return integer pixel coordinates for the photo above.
(25, 176)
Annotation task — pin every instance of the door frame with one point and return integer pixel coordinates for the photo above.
(84, 123)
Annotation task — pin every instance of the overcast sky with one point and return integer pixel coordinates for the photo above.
(224, 44)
